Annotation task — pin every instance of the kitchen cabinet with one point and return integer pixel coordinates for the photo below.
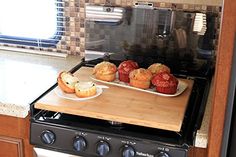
(222, 77)
(197, 152)
(11, 147)
(14, 137)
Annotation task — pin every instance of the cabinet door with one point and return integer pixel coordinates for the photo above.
(11, 147)
(197, 152)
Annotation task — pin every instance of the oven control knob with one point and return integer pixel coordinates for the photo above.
(162, 154)
(80, 144)
(103, 148)
(128, 151)
(48, 137)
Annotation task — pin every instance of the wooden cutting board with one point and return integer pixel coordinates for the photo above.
(124, 105)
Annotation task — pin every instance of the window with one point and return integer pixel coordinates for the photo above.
(31, 22)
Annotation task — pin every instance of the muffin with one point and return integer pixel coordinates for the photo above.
(158, 67)
(85, 89)
(140, 78)
(125, 68)
(66, 81)
(165, 83)
(105, 71)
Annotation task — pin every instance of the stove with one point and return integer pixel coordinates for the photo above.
(93, 137)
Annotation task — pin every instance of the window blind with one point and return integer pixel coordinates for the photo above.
(34, 24)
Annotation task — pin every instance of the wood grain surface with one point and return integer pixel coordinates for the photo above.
(124, 105)
(14, 137)
(11, 147)
(222, 78)
(197, 152)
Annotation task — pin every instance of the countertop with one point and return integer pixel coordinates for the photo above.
(23, 77)
(202, 133)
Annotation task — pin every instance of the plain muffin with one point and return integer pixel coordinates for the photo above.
(85, 89)
(158, 68)
(66, 81)
(105, 71)
(140, 78)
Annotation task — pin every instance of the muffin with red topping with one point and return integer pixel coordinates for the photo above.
(140, 78)
(158, 68)
(125, 68)
(165, 83)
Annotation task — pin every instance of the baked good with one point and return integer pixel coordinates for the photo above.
(140, 78)
(158, 67)
(66, 81)
(105, 71)
(85, 89)
(165, 83)
(125, 68)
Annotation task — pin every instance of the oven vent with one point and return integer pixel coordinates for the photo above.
(104, 14)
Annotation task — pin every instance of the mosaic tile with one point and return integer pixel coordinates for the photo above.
(73, 39)
(204, 7)
(162, 5)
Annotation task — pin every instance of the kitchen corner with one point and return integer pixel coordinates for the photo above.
(23, 78)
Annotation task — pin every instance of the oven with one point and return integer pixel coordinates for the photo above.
(146, 35)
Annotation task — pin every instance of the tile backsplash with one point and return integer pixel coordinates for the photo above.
(201, 2)
(73, 39)
(130, 2)
(98, 32)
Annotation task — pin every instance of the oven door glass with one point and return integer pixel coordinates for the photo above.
(39, 152)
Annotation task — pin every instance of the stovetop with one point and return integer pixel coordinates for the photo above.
(63, 132)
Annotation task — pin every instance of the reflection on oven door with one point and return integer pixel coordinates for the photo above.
(39, 152)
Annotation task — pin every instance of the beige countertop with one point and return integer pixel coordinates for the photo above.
(23, 77)
(202, 133)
